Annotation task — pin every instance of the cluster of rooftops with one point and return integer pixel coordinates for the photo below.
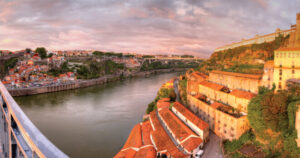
(166, 133)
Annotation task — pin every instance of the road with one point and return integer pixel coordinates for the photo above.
(212, 148)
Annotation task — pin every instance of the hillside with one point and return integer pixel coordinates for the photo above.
(244, 59)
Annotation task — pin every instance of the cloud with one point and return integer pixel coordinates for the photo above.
(149, 26)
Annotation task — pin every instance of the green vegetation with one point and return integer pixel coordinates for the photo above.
(182, 87)
(94, 69)
(187, 56)
(148, 56)
(244, 57)
(27, 50)
(162, 93)
(272, 116)
(42, 52)
(108, 54)
(60, 70)
(154, 65)
(245, 68)
(11, 63)
(150, 107)
(234, 145)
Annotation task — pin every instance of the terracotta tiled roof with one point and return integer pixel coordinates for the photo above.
(199, 75)
(129, 153)
(162, 140)
(212, 85)
(192, 143)
(190, 116)
(242, 94)
(289, 49)
(179, 129)
(163, 104)
(135, 138)
(176, 126)
(257, 77)
(146, 152)
(146, 129)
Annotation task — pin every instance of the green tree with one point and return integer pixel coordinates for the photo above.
(27, 50)
(42, 52)
(172, 95)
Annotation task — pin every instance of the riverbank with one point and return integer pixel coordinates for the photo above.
(87, 83)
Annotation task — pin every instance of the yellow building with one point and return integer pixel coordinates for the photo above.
(287, 60)
(286, 66)
(220, 118)
(232, 80)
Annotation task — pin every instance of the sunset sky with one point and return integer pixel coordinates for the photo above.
(144, 26)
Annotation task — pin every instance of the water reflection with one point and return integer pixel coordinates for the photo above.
(94, 121)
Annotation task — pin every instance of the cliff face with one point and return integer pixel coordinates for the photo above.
(244, 59)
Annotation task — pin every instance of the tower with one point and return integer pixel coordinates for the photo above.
(297, 34)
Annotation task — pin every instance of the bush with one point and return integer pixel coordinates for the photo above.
(231, 146)
(150, 107)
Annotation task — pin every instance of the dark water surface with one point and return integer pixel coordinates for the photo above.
(94, 121)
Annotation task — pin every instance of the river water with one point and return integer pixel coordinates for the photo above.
(95, 121)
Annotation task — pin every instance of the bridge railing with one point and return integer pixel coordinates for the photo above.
(19, 137)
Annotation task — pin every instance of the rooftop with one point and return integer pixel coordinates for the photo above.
(146, 129)
(257, 77)
(242, 94)
(212, 85)
(190, 116)
(163, 104)
(161, 139)
(146, 152)
(135, 138)
(130, 153)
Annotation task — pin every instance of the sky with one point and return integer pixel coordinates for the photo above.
(194, 27)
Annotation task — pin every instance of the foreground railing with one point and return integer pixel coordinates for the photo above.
(19, 137)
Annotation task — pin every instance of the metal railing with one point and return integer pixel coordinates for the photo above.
(19, 137)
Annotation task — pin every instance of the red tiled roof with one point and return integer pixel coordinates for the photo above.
(129, 153)
(212, 85)
(163, 104)
(199, 75)
(146, 152)
(146, 129)
(242, 94)
(135, 138)
(192, 143)
(257, 77)
(179, 129)
(190, 116)
(162, 139)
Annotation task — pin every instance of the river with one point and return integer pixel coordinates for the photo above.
(95, 121)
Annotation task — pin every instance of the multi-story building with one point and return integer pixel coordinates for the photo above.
(221, 118)
(194, 78)
(199, 126)
(286, 66)
(286, 60)
(232, 80)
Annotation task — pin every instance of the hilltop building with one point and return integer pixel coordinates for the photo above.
(286, 60)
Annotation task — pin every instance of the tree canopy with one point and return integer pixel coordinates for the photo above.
(42, 52)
